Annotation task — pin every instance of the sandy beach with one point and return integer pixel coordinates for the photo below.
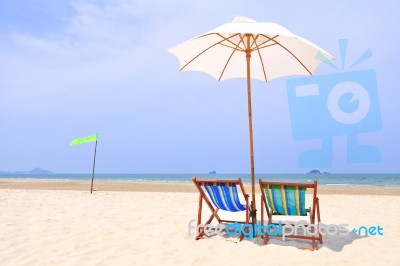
(61, 223)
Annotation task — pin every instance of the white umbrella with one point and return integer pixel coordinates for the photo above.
(269, 50)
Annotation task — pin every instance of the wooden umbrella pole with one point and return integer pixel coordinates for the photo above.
(253, 197)
(94, 164)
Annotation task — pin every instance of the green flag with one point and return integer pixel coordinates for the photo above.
(78, 141)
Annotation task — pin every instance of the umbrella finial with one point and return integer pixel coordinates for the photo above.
(243, 20)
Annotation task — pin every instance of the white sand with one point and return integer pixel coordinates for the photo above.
(53, 227)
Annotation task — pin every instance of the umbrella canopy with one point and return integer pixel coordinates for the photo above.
(248, 49)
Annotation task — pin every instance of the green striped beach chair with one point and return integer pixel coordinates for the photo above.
(281, 198)
(221, 195)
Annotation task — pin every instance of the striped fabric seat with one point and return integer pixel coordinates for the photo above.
(286, 200)
(221, 194)
(224, 196)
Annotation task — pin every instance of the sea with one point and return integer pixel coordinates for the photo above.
(369, 180)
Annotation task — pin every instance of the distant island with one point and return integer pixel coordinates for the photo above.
(315, 171)
(35, 171)
(212, 172)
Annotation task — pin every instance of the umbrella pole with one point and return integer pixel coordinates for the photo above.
(253, 211)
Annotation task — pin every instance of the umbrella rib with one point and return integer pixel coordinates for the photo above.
(254, 40)
(226, 65)
(208, 48)
(296, 58)
(194, 58)
(229, 59)
(287, 50)
(262, 62)
(266, 46)
(260, 46)
(234, 46)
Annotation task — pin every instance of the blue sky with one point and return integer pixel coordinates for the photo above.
(73, 68)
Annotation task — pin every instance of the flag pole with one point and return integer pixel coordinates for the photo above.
(94, 164)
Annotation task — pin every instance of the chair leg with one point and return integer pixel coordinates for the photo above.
(241, 237)
(246, 222)
(201, 231)
(266, 238)
(319, 221)
(214, 214)
(262, 213)
(199, 217)
(312, 222)
(269, 213)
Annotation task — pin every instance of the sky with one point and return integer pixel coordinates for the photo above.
(70, 69)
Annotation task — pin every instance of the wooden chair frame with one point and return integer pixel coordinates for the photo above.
(214, 209)
(313, 210)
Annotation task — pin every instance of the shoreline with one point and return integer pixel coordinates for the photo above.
(138, 186)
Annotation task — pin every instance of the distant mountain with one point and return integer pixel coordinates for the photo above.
(315, 171)
(35, 171)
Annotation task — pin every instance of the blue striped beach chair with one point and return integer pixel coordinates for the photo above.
(221, 195)
(281, 198)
